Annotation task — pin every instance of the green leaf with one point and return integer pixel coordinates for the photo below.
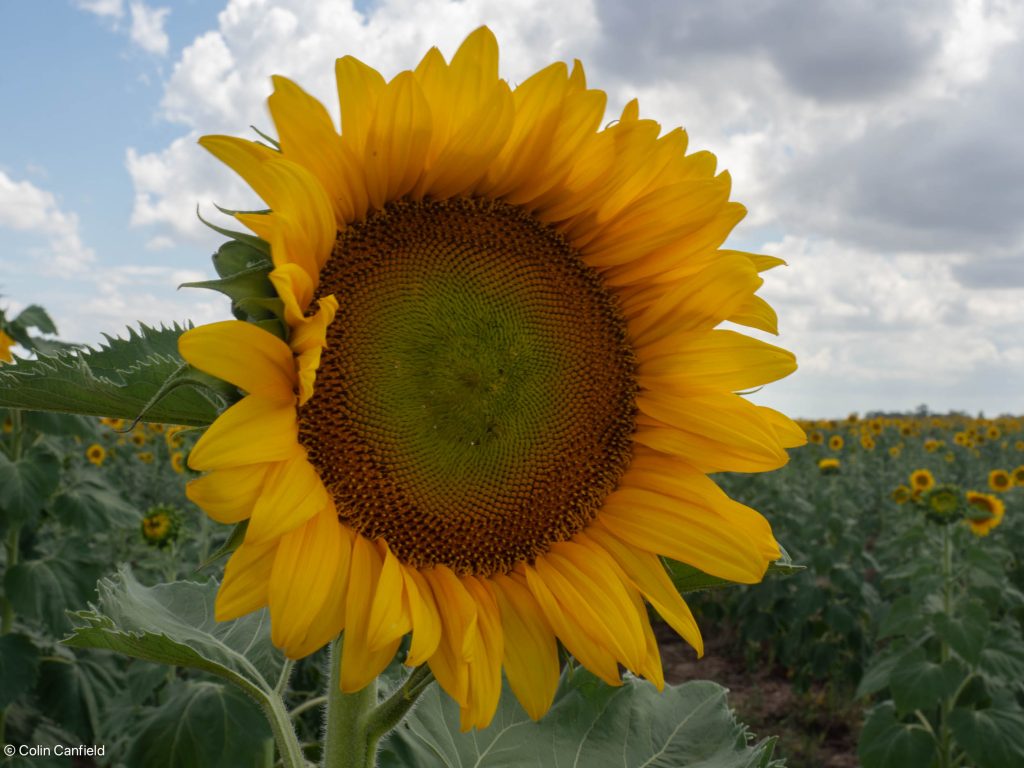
(1002, 662)
(73, 690)
(27, 483)
(235, 256)
(590, 724)
(919, 683)
(60, 424)
(965, 633)
(202, 723)
(904, 618)
(44, 590)
(876, 676)
(90, 504)
(19, 663)
(885, 742)
(34, 316)
(992, 738)
(686, 578)
(174, 624)
(117, 379)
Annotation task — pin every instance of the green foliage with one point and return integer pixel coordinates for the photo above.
(43, 589)
(200, 724)
(121, 378)
(27, 482)
(589, 724)
(174, 624)
(889, 743)
(19, 663)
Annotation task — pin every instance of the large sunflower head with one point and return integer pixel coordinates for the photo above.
(497, 387)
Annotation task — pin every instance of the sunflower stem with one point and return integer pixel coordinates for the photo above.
(391, 712)
(346, 742)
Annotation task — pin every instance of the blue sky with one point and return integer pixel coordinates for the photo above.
(874, 144)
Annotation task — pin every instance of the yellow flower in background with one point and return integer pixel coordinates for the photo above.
(901, 494)
(999, 480)
(146, 457)
(501, 391)
(828, 466)
(96, 453)
(921, 480)
(836, 443)
(1017, 476)
(815, 438)
(867, 442)
(985, 512)
(895, 450)
(6, 342)
(178, 462)
(1019, 445)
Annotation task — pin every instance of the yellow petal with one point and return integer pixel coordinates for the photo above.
(359, 663)
(717, 360)
(295, 288)
(228, 495)
(308, 137)
(485, 669)
(458, 637)
(714, 432)
(254, 430)
(586, 586)
(303, 574)
(591, 654)
(426, 620)
(531, 653)
(390, 616)
(329, 621)
(683, 532)
(246, 581)
(648, 575)
(398, 140)
(242, 354)
(359, 88)
(293, 493)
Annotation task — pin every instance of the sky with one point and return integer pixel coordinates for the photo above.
(876, 145)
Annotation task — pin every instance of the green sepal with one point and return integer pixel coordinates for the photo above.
(235, 256)
(274, 143)
(687, 578)
(250, 283)
(233, 542)
(233, 212)
(121, 379)
(256, 242)
(255, 308)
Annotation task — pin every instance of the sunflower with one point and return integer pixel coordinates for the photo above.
(985, 512)
(500, 388)
(1018, 476)
(828, 466)
(178, 462)
(815, 438)
(96, 453)
(160, 526)
(867, 442)
(6, 342)
(146, 457)
(999, 480)
(836, 442)
(922, 480)
(900, 494)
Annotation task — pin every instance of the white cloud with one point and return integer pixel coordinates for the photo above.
(27, 208)
(111, 8)
(147, 29)
(871, 154)
(222, 79)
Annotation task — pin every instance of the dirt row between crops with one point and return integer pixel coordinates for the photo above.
(811, 734)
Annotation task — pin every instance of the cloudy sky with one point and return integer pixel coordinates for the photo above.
(877, 146)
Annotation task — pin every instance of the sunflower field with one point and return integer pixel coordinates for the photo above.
(472, 467)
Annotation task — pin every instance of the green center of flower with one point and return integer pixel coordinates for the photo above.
(476, 398)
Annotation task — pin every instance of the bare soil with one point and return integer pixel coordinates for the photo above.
(813, 730)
